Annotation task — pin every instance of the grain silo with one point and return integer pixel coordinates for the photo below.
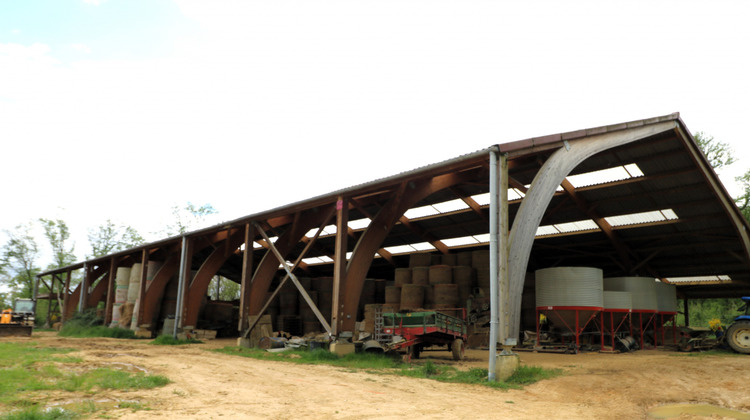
(570, 297)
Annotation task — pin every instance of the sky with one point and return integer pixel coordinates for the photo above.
(122, 109)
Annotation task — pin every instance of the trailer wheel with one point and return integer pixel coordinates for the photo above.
(738, 336)
(457, 347)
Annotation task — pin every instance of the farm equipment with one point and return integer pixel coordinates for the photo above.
(697, 338)
(414, 331)
(738, 334)
(18, 321)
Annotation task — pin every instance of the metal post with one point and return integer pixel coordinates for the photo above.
(84, 289)
(181, 275)
(494, 215)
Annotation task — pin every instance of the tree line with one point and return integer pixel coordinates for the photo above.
(20, 254)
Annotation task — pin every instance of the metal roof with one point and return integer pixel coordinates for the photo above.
(666, 206)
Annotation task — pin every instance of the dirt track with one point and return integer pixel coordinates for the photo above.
(211, 385)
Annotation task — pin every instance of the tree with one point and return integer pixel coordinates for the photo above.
(58, 235)
(108, 238)
(188, 217)
(18, 262)
(743, 201)
(718, 153)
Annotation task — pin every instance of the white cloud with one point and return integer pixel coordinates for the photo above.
(82, 48)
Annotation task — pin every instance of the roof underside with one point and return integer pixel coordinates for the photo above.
(663, 215)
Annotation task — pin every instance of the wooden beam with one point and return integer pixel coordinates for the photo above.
(339, 261)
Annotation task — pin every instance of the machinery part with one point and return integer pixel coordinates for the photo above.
(458, 349)
(372, 346)
(15, 330)
(738, 336)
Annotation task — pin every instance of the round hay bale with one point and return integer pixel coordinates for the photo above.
(420, 275)
(393, 295)
(402, 276)
(412, 297)
(440, 274)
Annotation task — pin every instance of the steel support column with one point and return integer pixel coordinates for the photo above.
(247, 275)
(339, 261)
(499, 300)
(110, 291)
(83, 289)
(186, 257)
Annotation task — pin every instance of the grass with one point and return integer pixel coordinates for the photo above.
(385, 364)
(73, 330)
(168, 340)
(717, 352)
(30, 372)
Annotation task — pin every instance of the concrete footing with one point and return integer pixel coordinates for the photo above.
(506, 365)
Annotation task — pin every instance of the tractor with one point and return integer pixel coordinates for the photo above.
(18, 321)
(738, 334)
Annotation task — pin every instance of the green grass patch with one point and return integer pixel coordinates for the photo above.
(26, 370)
(168, 340)
(386, 364)
(81, 331)
(717, 352)
(36, 413)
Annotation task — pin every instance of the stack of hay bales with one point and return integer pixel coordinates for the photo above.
(122, 282)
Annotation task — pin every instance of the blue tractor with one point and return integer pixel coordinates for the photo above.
(738, 334)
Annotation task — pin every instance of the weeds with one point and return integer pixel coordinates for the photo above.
(168, 340)
(26, 370)
(86, 324)
(386, 364)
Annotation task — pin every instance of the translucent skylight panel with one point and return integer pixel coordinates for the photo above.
(604, 176)
(312, 261)
(349, 255)
(418, 212)
(483, 238)
(640, 218)
(599, 177)
(400, 249)
(466, 240)
(546, 230)
(257, 245)
(326, 258)
(700, 279)
(311, 233)
(423, 246)
(329, 230)
(576, 226)
(514, 194)
(669, 214)
(633, 170)
(359, 223)
(452, 205)
(482, 199)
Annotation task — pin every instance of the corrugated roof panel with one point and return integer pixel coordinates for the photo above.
(423, 246)
(576, 226)
(700, 279)
(484, 239)
(359, 223)
(466, 240)
(418, 212)
(546, 230)
(641, 218)
(483, 199)
(449, 206)
(604, 176)
(400, 249)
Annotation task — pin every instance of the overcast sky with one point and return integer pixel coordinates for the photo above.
(121, 109)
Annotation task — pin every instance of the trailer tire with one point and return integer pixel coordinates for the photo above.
(457, 347)
(738, 337)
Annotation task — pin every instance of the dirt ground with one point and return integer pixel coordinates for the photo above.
(208, 385)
